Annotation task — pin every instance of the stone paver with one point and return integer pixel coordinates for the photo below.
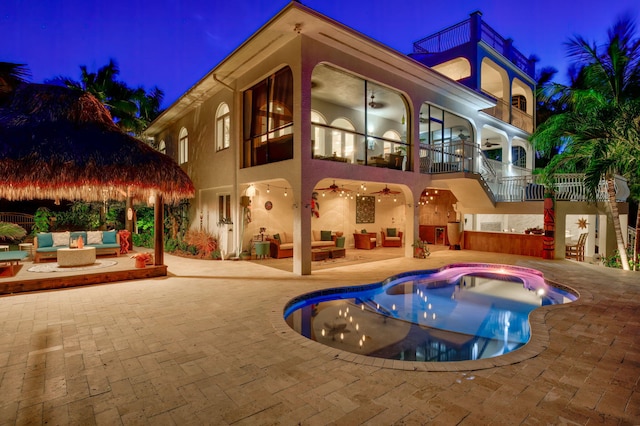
(208, 345)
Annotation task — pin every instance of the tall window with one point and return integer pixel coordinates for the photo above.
(183, 146)
(519, 156)
(342, 143)
(224, 209)
(223, 121)
(319, 135)
(162, 147)
(268, 120)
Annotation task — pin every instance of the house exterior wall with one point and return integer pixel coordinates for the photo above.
(287, 185)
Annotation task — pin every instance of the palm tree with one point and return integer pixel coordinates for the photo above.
(132, 109)
(11, 75)
(600, 127)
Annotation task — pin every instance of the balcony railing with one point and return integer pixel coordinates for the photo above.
(460, 33)
(507, 182)
(567, 187)
(501, 111)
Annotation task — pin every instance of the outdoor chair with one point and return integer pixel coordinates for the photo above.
(576, 251)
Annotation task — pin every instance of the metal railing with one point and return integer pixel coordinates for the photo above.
(460, 33)
(23, 219)
(507, 182)
(567, 187)
(454, 36)
(502, 109)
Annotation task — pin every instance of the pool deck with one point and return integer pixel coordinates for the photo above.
(207, 345)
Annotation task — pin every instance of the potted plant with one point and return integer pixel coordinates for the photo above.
(142, 259)
(421, 250)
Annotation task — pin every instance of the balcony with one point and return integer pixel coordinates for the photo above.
(519, 119)
(503, 182)
(474, 30)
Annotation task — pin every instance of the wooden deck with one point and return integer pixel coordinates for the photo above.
(25, 281)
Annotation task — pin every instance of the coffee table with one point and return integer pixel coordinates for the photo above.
(319, 254)
(68, 257)
(336, 252)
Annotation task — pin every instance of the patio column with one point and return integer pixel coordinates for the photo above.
(548, 241)
(158, 233)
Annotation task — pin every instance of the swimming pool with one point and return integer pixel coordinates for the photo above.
(457, 313)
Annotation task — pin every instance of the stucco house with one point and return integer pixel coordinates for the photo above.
(310, 126)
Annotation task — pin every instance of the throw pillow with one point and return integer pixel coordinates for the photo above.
(94, 237)
(285, 237)
(45, 239)
(109, 237)
(364, 231)
(391, 232)
(325, 235)
(316, 235)
(277, 237)
(60, 238)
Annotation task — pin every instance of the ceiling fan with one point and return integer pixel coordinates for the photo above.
(489, 144)
(386, 191)
(373, 104)
(334, 188)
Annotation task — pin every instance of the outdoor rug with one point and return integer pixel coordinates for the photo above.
(54, 267)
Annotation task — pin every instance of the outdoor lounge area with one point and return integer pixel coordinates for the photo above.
(161, 351)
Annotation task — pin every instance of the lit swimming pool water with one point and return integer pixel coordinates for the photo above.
(460, 312)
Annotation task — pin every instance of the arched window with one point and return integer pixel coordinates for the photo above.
(519, 156)
(183, 146)
(394, 136)
(342, 142)
(319, 135)
(162, 147)
(223, 121)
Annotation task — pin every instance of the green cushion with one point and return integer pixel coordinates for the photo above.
(277, 237)
(325, 235)
(109, 237)
(45, 239)
(391, 232)
(364, 231)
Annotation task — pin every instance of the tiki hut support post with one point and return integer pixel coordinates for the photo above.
(159, 230)
(129, 216)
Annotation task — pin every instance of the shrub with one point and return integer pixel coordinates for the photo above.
(614, 261)
(12, 231)
(201, 243)
(142, 240)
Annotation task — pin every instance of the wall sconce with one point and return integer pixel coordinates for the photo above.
(285, 192)
(268, 189)
(251, 191)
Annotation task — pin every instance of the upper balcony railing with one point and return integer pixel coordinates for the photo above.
(462, 33)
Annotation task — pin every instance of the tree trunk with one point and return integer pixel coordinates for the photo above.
(636, 246)
(613, 205)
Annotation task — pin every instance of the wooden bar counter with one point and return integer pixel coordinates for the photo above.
(503, 242)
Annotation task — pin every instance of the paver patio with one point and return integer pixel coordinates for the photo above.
(207, 345)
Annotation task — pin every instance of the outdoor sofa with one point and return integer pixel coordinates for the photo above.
(46, 244)
(282, 244)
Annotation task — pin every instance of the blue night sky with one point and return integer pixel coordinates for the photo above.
(173, 43)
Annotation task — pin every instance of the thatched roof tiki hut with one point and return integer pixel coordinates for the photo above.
(58, 143)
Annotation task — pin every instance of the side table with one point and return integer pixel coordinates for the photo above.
(262, 249)
(28, 247)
